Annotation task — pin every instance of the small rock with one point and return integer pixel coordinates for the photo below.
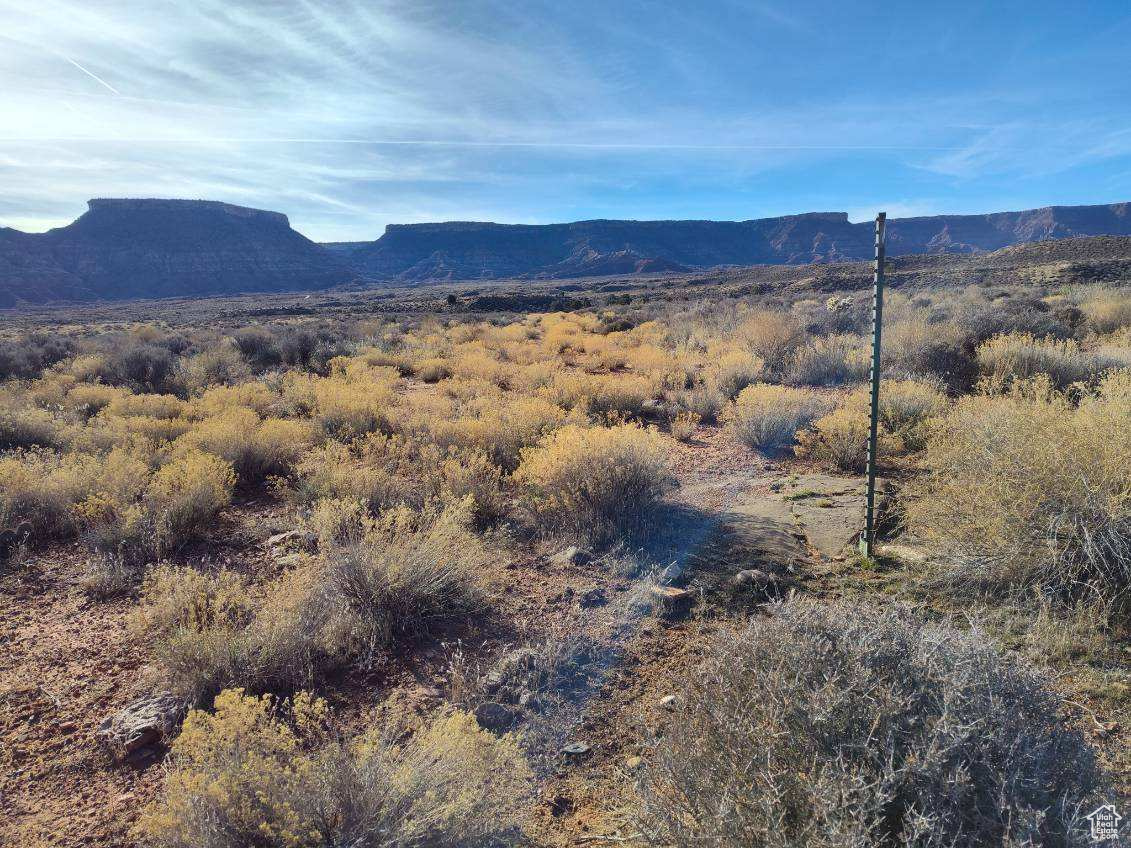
(633, 763)
(572, 555)
(496, 717)
(141, 725)
(754, 579)
(288, 560)
(669, 702)
(302, 540)
(576, 749)
(593, 598)
(671, 595)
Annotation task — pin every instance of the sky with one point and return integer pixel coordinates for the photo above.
(348, 116)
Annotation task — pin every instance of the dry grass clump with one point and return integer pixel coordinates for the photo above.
(199, 626)
(24, 426)
(255, 448)
(592, 481)
(1020, 356)
(1027, 489)
(393, 579)
(706, 401)
(773, 337)
(185, 494)
(683, 426)
(835, 725)
(1108, 310)
(260, 772)
(768, 417)
(735, 370)
(840, 439)
(402, 583)
(828, 361)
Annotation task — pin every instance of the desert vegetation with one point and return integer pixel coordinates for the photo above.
(453, 526)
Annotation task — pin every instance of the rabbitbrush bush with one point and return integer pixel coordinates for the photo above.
(768, 417)
(594, 481)
(834, 726)
(1026, 489)
(1019, 356)
(398, 578)
(260, 773)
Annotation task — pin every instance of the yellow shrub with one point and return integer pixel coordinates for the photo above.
(1108, 310)
(146, 406)
(254, 448)
(684, 425)
(24, 426)
(432, 370)
(246, 775)
(840, 440)
(734, 370)
(184, 495)
(904, 408)
(1026, 489)
(501, 430)
(175, 599)
(89, 399)
(222, 364)
(378, 471)
(768, 417)
(590, 480)
(601, 394)
(1019, 356)
(350, 408)
(254, 396)
(772, 337)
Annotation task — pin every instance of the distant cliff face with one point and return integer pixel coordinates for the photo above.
(163, 248)
(460, 250)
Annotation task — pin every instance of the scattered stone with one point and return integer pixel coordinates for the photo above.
(292, 540)
(755, 580)
(669, 702)
(593, 598)
(633, 763)
(135, 731)
(672, 596)
(576, 749)
(497, 717)
(573, 555)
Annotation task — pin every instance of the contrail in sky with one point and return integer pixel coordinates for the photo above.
(93, 76)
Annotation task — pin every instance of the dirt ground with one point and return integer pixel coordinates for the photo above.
(69, 661)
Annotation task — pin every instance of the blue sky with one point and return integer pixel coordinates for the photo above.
(351, 115)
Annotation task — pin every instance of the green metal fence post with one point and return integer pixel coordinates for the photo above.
(868, 537)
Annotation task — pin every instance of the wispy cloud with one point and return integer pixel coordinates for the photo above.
(348, 114)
